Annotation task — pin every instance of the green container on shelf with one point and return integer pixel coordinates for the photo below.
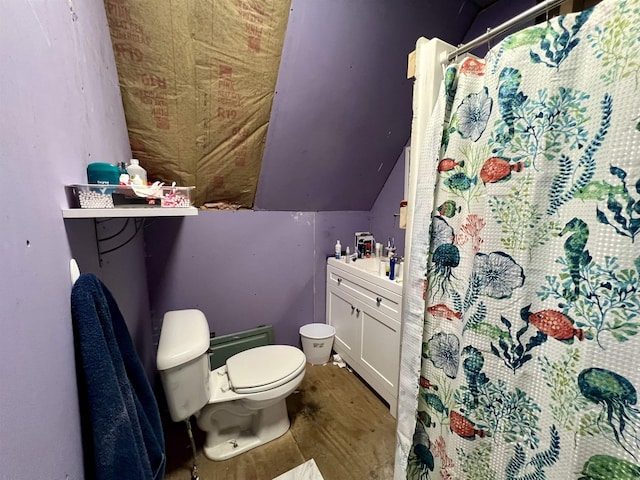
(103, 173)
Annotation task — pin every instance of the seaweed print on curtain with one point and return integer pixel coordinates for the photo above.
(531, 353)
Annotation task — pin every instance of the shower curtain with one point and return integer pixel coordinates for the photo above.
(525, 262)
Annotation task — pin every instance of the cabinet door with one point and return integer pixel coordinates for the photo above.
(380, 349)
(344, 315)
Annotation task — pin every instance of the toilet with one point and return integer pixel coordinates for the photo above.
(240, 405)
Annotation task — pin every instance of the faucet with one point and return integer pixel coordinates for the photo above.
(391, 247)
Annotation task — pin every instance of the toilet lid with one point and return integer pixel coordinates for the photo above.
(263, 368)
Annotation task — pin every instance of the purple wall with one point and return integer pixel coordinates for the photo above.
(61, 109)
(342, 109)
(241, 268)
(385, 212)
(249, 268)
(123, 272)
(245, 268)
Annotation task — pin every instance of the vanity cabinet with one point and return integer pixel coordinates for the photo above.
(365, 310)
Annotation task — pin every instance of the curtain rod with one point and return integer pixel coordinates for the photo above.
(514, 22)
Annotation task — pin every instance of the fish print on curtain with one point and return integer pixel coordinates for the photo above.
(531, 346)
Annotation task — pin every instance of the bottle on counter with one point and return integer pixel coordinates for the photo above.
(338, 249)
(392, 268)
(347, 256)
(382, 268)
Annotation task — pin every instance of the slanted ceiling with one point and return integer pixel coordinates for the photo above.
(484, 3)
(341, 113)
(342, 110)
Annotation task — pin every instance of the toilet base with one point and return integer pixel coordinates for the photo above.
(258, 428)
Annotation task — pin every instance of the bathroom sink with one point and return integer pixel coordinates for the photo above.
(368, 269)
(368, 264)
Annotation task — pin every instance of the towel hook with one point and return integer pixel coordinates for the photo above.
(74, 270)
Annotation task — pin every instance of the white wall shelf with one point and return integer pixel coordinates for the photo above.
(128, 212)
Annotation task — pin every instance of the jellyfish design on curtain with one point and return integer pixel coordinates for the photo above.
(526, 261)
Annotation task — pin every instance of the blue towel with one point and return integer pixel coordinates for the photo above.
(122, 430)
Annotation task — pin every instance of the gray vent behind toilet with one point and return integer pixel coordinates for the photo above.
(225, 346)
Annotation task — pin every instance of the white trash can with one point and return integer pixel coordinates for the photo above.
(317, 341)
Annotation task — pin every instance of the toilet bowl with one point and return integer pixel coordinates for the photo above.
(240, 405)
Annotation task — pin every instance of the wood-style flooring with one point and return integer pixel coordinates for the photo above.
(335, 419)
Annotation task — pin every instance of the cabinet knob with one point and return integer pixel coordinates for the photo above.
(378, 300)
(339, 281)
(357, 311)
(352, 308)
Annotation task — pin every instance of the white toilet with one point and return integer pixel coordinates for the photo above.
(240, 405)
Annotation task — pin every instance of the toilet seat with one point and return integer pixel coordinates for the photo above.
(264, 368)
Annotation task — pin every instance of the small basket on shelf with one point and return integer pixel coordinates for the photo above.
(126, 196)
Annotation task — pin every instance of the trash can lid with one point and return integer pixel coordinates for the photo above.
(317, 331)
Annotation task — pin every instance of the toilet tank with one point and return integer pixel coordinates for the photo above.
(183, 362)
